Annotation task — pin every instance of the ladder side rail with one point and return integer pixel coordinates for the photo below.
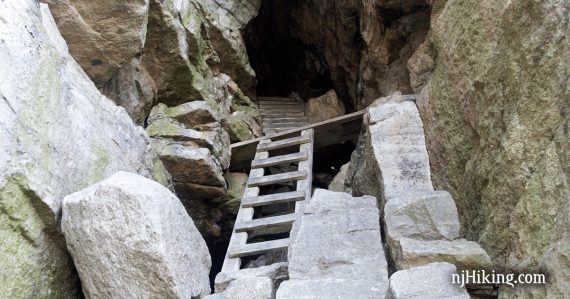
(244, 214)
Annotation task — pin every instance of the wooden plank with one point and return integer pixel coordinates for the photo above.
(333, 131)
(276, 178)
(285, 125)
(283, 143)
(281, 220)
(279, 129)
(281, 114)
(282, 107)
(250, 202)
(302, 119)
(279, 104)
(306, 185)
(263, 99)
(259, 248)
(289, 158)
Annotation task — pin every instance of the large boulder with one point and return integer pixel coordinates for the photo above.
(495, 112)
(430, 281)
(255, 283)
(103, 36)
(59, 134)
(174, 33)
(466, 255)
(429, 215)
(189, 42)
(130, 237)
(224, 21)
(391, 156)
(353, 263)
(324, 107)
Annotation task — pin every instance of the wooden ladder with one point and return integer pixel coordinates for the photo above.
(245, 223)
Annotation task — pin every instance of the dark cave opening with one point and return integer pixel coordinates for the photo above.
(284, 64)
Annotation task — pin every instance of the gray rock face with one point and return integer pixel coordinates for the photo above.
(193, 124)
(432, 281)
(509, 153)
(428, 215)
(132, 87)
(466, 255)
(353, 263)
(131, 238)
(391, 156)
(324, 107)
(59, 134)
(103, 36)
(195, 150)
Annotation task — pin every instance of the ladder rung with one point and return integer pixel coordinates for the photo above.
(261, 223)
(289, 158)
(279, 104)
(285, 120)
(282, 143)
(285, 125)
(270, 114)
(277, 178)
(259, 248)
(276, 99)
(281, 107)
(250, 202)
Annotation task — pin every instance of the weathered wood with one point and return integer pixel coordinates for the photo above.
(259, 248)
(283, 143)
(289, 158)
(263, 200)
(305, 185)
(273, 221)
(244, 214)
(277, 178)
(301, 119)
(329, 132)
(278, 129)
(279, 109)
(285, 125)
(271, 114)
(278, 104)
(263, 99)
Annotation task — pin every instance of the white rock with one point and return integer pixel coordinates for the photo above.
(331, 288)
(337, 249)
(466, 255)
(427, 215)
(432, 281)
(276, 272)
(247, 288)
(58, 135)
(131, 238)
(391, 156)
